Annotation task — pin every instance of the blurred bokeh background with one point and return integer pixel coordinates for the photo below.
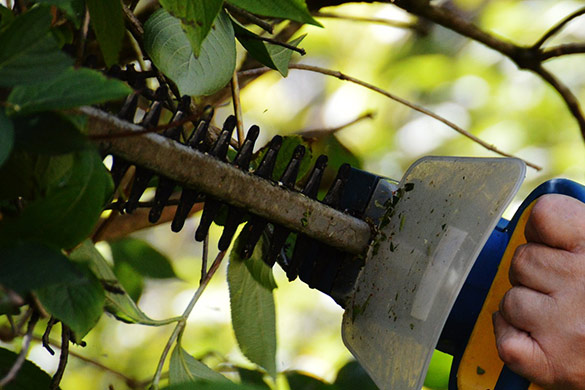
(467, 83)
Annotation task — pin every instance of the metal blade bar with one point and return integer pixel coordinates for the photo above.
(223, 181)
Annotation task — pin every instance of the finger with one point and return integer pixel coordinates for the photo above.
(526, 309)
(557, 221)
(540, 268)
(520, 352)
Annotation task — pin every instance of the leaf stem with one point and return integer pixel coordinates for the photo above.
(183, 321)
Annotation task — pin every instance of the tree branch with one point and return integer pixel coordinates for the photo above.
(342, 76)
(386, 22)
(555, 29)
(562, 50)
(13, 372)
(230, 184)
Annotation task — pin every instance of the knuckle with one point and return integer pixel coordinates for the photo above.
(509, 352)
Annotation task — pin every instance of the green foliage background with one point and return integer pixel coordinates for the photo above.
(471, 85)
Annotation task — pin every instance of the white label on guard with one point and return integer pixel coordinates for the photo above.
(436, 272)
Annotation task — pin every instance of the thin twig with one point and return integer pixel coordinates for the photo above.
(82, 37)
(561, 50)
(181, 324)
(415, 107)
(131, 382)
(317, 133)
(569, 98)
(249, 17)
(65, 337)
(204, 256)
(13, 372)
(558, 27)
(237, 108)
(45, 339)
(386, 22)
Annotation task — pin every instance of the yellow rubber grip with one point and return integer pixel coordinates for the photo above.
(480, 366)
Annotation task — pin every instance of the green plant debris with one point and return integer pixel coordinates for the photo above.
(480, 371)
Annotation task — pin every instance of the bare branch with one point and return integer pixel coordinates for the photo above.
(555, 29)
(386, 22)
(404, 102)
(570, 99)
(232, 185)
(317, 133)
(562, 50)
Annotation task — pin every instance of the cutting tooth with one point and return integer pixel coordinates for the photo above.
(166, 186)
(254, 228)
(305, 257)
(288, 180)
(189, 196)
(142, 176)
(236, 215)
(219, 151)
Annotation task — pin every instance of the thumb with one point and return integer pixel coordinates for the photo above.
(519, 351)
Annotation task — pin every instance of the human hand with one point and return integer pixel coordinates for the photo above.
(540, 327)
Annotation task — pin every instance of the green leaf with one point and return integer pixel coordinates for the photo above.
(48, 133)
(131, 280)
(74, 9)
(29, 377)
(118, 302)
(252, 377)
(64, 92)
(170, 50)
(196, 18)
(6, 137)
(29, 53)
(439, 371)
(28, 266)
(185, 368)
(274, 56)
(285, 9)
(6, 16)
(259, 270)
(146, 260)
(72, 205)
(78, 302)
(253, 315)
(19, 171)
(352, 375)
(199, 385)
(301, 381)
(107, 20)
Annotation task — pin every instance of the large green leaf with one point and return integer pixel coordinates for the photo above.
(196, 18)
(170, 50)
(185, 368)
(253, 315)
(71, 207)
(118, 302)
(289, 143)
(285, 9)
(48, 133)
(146, 260)
(29, 377)
(28, 266)
(73, 88)
(29, 53)
(107, 20)
(78, 302)
(6, 137)
(274, 56)
(6, 16)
